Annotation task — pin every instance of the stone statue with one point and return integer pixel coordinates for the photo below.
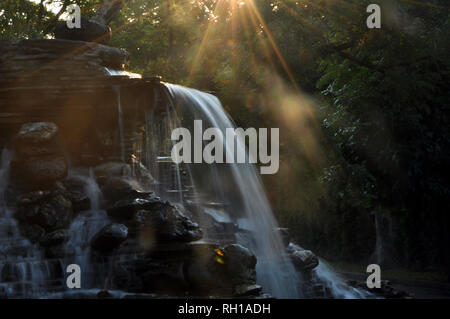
(95, 29)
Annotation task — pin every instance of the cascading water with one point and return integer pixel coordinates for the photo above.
(238, 188)
(230, 193)
(86, 225)
(335, 283)
(23, 271)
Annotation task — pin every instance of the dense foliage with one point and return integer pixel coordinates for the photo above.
(363, 112)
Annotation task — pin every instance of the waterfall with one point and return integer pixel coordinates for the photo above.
(86, 225)
(23, 271)
(336, 284)
(228, 193)
(238, 188)
(167, 175)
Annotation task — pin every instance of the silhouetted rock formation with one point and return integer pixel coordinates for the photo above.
(95, 29)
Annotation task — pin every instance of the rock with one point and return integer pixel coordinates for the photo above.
(127, 207)
(42, 170)
(36, 139)
(75, 188)
(104, 294)
(228, 271)
(38, 159)
(59, 251)
(284, 234)
(33, 232)
(218, 220)
(118, 187)
(32, 150)
(303, 260)
(207, 271)
(90, 31)
(50, 210)
(167, 223)
(240, 264)
(110, 237)
(37, 132)
(54, 238)
(247, 290)
(33, 197)
(112, 169)
(51, 59)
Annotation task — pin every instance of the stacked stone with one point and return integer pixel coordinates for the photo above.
(155, 245)
(44, 210)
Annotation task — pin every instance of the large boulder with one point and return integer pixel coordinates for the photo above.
(36, 132)
(218, 224)
(304, 260)
(160, 269)
(75, 188)
(119, 187)
(165, 222)
(240, 263)
(227, 271)
(33, 232)
(39, 161)
(42, 170)
(90, 31)
(36, 139)
(110, 237)
(54, 238)
(49, 210)
(112, 169)
(126, 208)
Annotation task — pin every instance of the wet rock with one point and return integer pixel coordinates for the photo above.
(37, 132)
(228, 271)
(33, 197)
(303, 260)
(119, 187)
(166, 222)
(386, 290)
(112, 169)
(126, 208)
(90, 31)
(41, 170)
(247, 290)
(207, 272)
(54, 238)
(32, 150)
(59, 251)
(50, 210)
(240, 263)
(38, 160)
(218, 222)
(33, 232)
(110, 237)
(75, 188)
